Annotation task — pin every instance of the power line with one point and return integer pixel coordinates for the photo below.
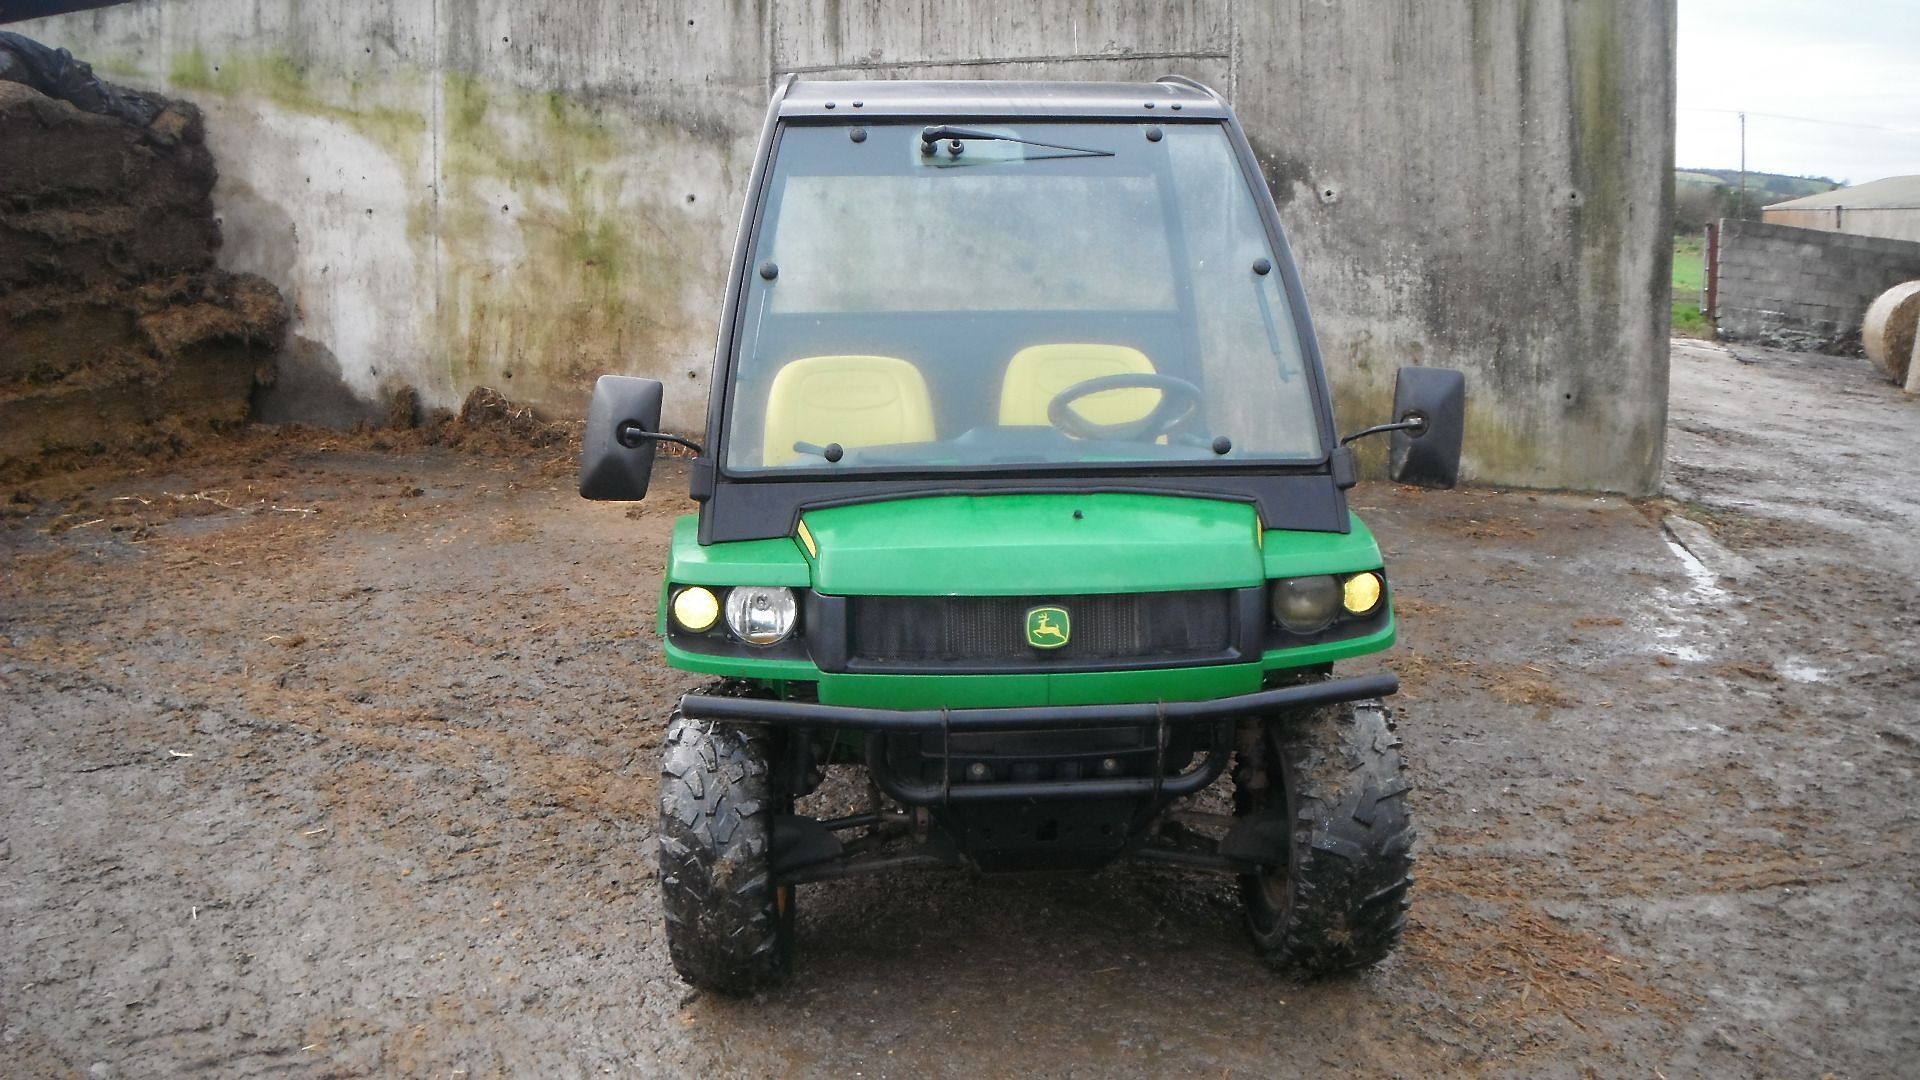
(1801, 119)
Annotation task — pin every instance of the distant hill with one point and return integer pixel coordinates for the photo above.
(1763, 187)
(1704, 195)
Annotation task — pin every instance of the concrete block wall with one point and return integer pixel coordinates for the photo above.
(1803, 287)
(489, 192)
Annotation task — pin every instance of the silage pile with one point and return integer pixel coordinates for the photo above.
(114, 322)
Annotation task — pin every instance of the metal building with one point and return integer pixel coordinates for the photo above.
(1889, 208)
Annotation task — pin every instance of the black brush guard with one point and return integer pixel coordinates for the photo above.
(945, 722)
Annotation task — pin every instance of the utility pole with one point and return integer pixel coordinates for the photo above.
(1742, 212)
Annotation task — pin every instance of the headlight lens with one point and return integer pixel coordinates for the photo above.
(1361, 593)
(1306, 604)
(695, 608)
(761, 616)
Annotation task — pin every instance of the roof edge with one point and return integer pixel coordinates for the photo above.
(1889, 193)
(839, 98)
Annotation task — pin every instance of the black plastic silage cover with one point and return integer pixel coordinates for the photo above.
(55, 73)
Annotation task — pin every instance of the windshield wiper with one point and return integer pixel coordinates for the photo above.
(958, 136)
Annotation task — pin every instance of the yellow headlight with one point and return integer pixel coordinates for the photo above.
(696, 609)
(1361, 593)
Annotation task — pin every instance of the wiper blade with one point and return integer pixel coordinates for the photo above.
(932, 135)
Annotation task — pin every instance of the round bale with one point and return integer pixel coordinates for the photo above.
(1888, 330)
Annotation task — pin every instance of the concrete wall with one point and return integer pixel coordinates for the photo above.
(465, 192)
(1892, 222)
(1803, 287)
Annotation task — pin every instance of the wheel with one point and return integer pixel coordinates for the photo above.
(1179, 401)
(729, 928)
(1338, 899)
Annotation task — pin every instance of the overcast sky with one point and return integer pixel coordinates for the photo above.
(1830, 88)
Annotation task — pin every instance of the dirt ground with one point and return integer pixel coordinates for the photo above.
(329, 759)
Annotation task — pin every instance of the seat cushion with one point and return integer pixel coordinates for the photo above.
(850, 400)
(1037, 374)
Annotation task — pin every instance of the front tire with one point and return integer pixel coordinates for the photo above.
(729, 927)
(1338, 900)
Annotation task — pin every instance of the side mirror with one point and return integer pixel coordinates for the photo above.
(614, 465)
(1428, 455)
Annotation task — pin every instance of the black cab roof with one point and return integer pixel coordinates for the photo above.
(1172, 96)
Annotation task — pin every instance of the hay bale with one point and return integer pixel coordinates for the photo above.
(1888, 330)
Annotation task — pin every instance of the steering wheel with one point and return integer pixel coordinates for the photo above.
(1180, 400)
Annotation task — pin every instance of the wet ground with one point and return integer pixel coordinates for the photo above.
(325, 759)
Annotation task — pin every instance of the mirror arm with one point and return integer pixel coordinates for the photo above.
(1416, 424)
(631, 435)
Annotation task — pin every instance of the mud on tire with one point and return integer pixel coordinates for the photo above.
(1340, 901)
(729, 927)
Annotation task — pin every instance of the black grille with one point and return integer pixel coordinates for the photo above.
(990, 632)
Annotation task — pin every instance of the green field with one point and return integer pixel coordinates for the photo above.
(1689, 277)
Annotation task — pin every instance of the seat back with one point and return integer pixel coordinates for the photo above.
(851, 400)
(1037, 374)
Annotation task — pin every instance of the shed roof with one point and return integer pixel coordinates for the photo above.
(1895, 192)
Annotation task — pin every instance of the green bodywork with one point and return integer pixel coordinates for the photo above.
(1001, 545)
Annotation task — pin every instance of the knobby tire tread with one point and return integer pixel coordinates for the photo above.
(725, 927)
(1351, 858)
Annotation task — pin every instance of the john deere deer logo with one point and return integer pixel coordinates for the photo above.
(1047, 627)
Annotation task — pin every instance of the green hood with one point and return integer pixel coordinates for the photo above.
(1030, 544)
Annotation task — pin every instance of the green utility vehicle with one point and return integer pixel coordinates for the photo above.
(1022, 491)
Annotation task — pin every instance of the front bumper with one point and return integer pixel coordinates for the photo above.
(1219, 712)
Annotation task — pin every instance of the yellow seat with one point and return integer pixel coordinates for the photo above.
(1037, 374)
(850, 400)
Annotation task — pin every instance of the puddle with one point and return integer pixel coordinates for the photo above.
(1706, 584)
(1802, 672)
(1685, 653)
(1685, 625)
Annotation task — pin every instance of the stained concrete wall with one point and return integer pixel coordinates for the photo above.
(465, 192)
(1803, 287)
(468, 192)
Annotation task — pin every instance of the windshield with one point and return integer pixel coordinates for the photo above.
(1033, 295)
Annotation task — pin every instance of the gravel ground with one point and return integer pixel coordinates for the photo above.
(335, 758)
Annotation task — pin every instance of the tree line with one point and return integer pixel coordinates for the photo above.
(1701, 196)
